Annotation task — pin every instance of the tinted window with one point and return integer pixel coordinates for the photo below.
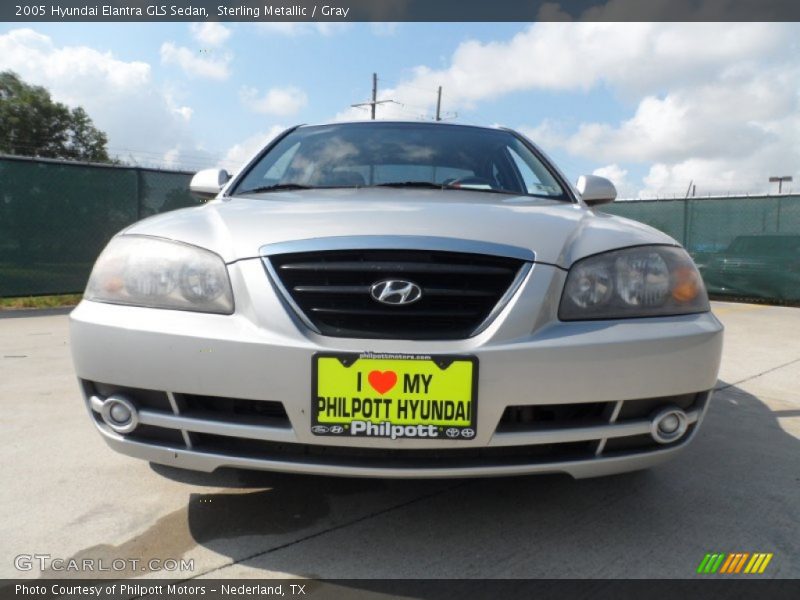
(369, 154)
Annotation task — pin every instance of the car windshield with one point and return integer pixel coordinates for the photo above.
(402, 155)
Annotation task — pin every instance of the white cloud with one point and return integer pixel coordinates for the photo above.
(184, 111)
(241, 152)
(143, 121)
(631, 57)
(210, 33)
(195, 64)
(619, 177)
(726, 134)
(742, 174)
(171, 158)
(712, 101)
(384, 29)
(75, 67)
(282, 101)
(730, 116)
(293, 28)
(548, 134)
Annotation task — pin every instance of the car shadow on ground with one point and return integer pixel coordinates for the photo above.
(735, 488)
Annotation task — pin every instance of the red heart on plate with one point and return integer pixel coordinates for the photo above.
(382, 381)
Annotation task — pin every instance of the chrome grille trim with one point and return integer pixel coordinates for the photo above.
(611, 419)
(581, 434)
(558, 435)
(287, 298)
(158, 418)
(522, 274)
(342, 266)
(174, 404)
(537, 424)
(397, 242)
(562, 448)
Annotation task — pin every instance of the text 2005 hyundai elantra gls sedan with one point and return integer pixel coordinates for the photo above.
(397, 300)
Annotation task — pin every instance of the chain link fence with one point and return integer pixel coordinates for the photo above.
(56, 217)
(745, 247)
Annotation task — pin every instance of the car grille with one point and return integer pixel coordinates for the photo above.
(260, 429)
(542, 418)
(330, 291)
(397, 458)
(235, 410)
(553, 416)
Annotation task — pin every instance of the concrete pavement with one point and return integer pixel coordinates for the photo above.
(736, 488)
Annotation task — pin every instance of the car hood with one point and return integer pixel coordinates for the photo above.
(557, 232)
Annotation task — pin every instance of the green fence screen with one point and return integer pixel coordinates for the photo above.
(745, 247)
(56, 217)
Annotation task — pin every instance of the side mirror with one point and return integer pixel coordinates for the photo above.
(207, 183)
(596, 190)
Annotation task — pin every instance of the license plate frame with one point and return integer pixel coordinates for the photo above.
(337, 420)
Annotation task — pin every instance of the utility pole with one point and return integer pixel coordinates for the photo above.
(374, 102)
(439, 104)
(374, 93)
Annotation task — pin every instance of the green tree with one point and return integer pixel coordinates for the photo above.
(32, 124)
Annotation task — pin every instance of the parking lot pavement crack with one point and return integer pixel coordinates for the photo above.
(757, 375)
(331, 529)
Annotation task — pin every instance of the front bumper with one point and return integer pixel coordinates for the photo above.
(621, 370)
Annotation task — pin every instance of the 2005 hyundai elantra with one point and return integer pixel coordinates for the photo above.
(397, 300)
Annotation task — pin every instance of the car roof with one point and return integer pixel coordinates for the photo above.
(367, 122)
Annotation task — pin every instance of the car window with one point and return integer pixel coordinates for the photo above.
(370, 154)
(391, 173)
(532, 179)
(278, 168)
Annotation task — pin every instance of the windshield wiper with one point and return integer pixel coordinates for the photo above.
(419, 184)
(278, 187)
(446, 186)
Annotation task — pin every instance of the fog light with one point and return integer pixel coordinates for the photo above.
(120, 414)
(668, 424)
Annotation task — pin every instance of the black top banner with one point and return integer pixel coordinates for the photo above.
(400, 10)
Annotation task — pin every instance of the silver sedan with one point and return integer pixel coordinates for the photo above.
(397, 299)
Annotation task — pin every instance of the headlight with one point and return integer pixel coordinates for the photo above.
(145, 271)
(645, 281)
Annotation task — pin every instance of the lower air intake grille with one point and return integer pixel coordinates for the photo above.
(332, 291)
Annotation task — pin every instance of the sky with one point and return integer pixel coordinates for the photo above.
(652, 106)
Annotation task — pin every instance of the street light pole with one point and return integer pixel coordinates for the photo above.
(780, 180)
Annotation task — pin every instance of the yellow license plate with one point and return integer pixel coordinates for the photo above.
(395, 396)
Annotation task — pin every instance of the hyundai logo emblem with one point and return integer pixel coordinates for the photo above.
(395, 292)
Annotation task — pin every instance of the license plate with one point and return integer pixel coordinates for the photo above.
(394, 396)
